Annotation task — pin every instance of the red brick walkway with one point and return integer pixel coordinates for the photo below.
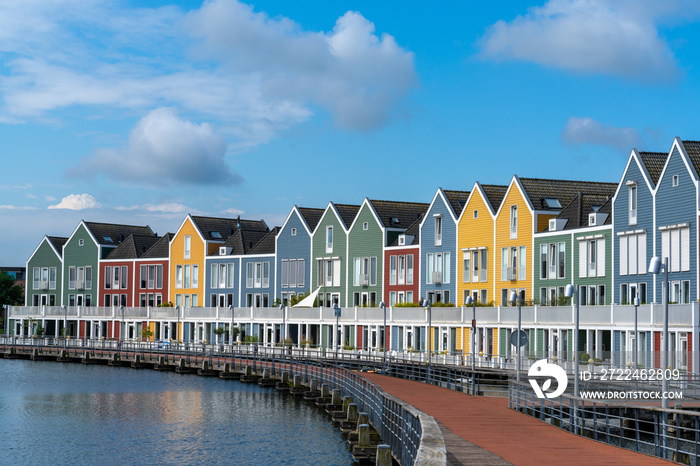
(515, 437)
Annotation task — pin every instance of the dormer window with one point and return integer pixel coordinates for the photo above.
(108, 239)
(216, 235)
(402, 240)
(552, 203)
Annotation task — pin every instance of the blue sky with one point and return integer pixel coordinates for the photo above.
(141, 112)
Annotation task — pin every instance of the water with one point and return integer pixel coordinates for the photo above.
(53, 413)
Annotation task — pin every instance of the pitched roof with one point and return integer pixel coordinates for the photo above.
(555, 194)
(400, 215)
(654, 163)
(457, 200)
(220, 229)
(112, 234)
(311, 216)
(133, 247)
(267, 244)
(692, 148)
(243, 240)
(347, 213)
(58, 242)
(412, 230)
(161, 248)
(494, 194)
(576, 212)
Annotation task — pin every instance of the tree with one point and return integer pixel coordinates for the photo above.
(10, 292)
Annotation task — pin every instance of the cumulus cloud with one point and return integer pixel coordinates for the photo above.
(584, 130)
(618, 38)
(77, 202)
(253, 75)
(163, 148)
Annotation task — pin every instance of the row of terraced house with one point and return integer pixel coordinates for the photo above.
(531, 236)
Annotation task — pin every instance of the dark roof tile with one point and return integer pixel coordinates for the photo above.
(112, 234)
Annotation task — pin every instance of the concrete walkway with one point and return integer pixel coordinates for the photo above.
(481, 430)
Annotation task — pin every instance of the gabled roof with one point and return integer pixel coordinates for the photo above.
(654, 163)
(457, 200)
(413, 230)
(57, 242)
(133, 247)
(494, 194)
(347, 213)
(583, 204)
(110, 234)
(243, 240)
(692, 148)
(220, 229)
(161, 248)
(399, 215)
(546, 194)
(267, 244)
(311, 216)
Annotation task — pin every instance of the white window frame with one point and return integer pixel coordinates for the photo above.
(187, 248)
(438, 229)
(514, 222)
(632, 203)
(329, 239)
(409, 269)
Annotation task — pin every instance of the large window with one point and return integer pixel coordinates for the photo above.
(392, 271)
(409, 269)
(438, 268)
(513, 222)
(328, 272)
(513, 263)
(108, 278)
(675, 244)
(401, 278)
(438, 230)
(632, 203)
(365, 271)
(633, 254)
(591, 257)
(329, 239)
(188, 247)
(552, 260)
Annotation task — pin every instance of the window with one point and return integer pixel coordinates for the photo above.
(513, 222)
(402, 270)
(483, 271)
(633, 254)
(215, 283)
(143, 277)
(159, 276)
(258, 274)
(467, 270)
(632, 203)
(476, 214)
(504, 265)
(446, 275)
(178, 276)
(329, 239)
(392, 298)
(562, 260)
(475, 266)
(108, 277)
(409, 269)
(186, 282)
(230, 282)
(266, 275)
(675, 244)
(188, 246)
(438, 230)
(543, 261)
(675, 181)
(552, 203)
(285, 273)
(392, 270)
(429, 267)
(195, 276)
(116, 277)
(522, 269)
(591, 258)
(294, 231)
(81, 242)
(365, 226)
(124, 282)
(88, 277)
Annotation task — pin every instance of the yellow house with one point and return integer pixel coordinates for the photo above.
(528, 206)
(197, 238)
(476, 243)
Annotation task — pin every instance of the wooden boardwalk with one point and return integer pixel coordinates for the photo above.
(481, 430)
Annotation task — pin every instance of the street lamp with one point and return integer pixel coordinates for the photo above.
(64, 308)
(472, 302)
(123, 329)
(383, 306)
(177, 330)
(636, 334)
(570, 292)
(429, 307)
(656, 266)
(6, 307)
(230, 307)
(513, 296)
(283, 308)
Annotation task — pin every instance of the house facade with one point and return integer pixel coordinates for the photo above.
(43, 286)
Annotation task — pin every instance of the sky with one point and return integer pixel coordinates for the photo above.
(140, 112)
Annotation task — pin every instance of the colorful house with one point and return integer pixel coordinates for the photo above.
(197, 238)
(633, 226)
(89, 243)
(329, 266)
(44, 273)
(401, 266)
(438, 246)
(376, 225)
(476, 244)
(293, 253)
(257, 271)
(527, 207)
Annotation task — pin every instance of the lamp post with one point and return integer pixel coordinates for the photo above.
(429, 307)
(6, 307)
(513, 296)
(636, 334)
(177, 330)
(656, 266)
(383, 306)
(283, 308)
(571, 292)
(123, 329)
(230, 307)
(472, 302)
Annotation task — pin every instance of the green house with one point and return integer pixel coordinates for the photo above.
(43, 286)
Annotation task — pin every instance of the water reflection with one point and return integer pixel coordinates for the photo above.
(71, 413)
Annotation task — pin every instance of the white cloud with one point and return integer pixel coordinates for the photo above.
(163, 148)
(77, 202)
(584, 130)
(166, 207)
(618, 38)
(14, 207)
(233, 211)
(252, 75)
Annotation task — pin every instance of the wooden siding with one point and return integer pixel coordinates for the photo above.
(645, 217)
(607, 280)
(294, 247)
(503, 240)
(81, 256)
(44, 256)
(128, 290)
(238, 280)
(318, 249)
(415, 287)
(675, 205)
(197, 256)
(539, 282)
(245, 289)
(427, 246)
(365, 243)
(476, 233)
